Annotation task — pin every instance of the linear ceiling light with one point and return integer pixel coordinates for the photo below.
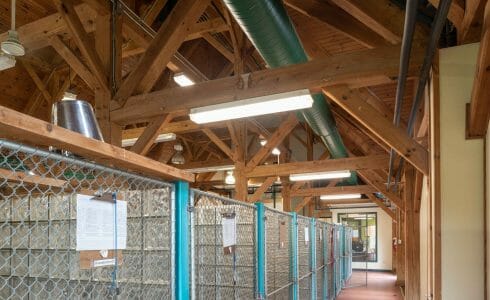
(165, 137)
(340, 197)
(182, 80)
(320, 175)
(252, 107)
(211, 169)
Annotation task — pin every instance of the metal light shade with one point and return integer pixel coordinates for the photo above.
(78, 116)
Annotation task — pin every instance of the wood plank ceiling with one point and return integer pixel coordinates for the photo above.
(215, 48)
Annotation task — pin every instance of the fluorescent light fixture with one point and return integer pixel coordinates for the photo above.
(252, 107)
(320, 175)
(276, 151)
(340, 197)
(211, 169)
(182, 80)
(69, 96)
(165, 137)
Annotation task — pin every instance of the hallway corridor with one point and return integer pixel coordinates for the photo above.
(380, 286)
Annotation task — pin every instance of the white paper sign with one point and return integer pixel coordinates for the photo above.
(307, 235)
(95, 224)
(104, 262)
(229, 231)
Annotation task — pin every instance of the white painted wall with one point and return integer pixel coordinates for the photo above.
(384, 237)
(487, 212)
(462, 184)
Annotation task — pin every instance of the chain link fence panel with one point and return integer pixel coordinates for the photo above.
(216, 274)
(38, 226)
(304, 257)
(278, 253)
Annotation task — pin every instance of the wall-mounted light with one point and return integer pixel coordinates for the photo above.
(164, 137)
(252, 107)
(340, 197)
(320, 175)
(182, 80)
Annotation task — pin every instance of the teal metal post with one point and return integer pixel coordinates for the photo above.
(313, 258)
(294, 271)
(325, 261)
(260, 236)
(181, 240)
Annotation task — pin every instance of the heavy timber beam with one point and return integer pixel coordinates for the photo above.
(383, 17)
(351, 163)
(378, 183)
(380, 203)
(175, 127)
(352, 101)
(17, 126)
(36, 35)
(352, 68)
(162, 48)
(479, 108)
(339, 20)
(312, 192)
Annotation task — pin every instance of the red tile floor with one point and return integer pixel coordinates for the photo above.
(380, 286)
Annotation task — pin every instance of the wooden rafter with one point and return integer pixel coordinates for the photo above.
(262, 189)
(351, 163)
(275, 139)
(218, 142)
(148, 137)
(479, 108)
(168, 39)
(381, 205)
(339, 20)
(339, 69)
(378, 183)
(352, 102)
(38, 81)
(67, 10)
(73, 61)
(337, 190)
(17, 126)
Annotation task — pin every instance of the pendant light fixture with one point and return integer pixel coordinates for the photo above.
(12, 46)
(178, 158)
(229, 179)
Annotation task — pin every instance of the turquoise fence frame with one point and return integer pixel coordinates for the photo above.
(294, 289)
(325, 261)
(313, 246)
(181, 238)
(261, 254)
(181, 266)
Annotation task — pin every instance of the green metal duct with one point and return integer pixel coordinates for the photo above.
(268, 26)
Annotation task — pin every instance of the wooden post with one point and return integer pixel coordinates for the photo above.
(412, 237)
(239, 149)
(400, 250)
(286, 194)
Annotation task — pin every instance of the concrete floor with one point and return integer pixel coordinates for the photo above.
(380, 286)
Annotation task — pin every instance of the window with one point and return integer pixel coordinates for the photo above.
(364, 235)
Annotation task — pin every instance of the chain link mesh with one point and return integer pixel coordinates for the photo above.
(304, 257)
(218, 275)
(278, 253)
(38, 215)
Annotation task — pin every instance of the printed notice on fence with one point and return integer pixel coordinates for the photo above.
(307, 235)
(95, 224)
(228, 222)
(283, 234)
